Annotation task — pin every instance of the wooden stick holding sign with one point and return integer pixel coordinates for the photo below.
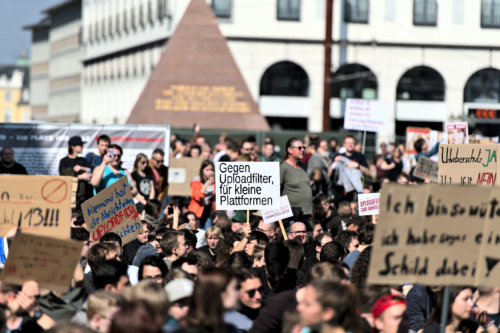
(374, 218)
(283, 212)
(283, 230)
(248, 216)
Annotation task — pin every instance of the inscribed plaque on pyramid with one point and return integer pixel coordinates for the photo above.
(197, 80)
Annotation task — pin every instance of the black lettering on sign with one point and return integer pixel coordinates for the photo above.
(452, 269)
(424, 238)
(405, 267)
(409, 205)
(390, 239)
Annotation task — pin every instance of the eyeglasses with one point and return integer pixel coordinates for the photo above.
(251, 292)
(159, 161)
(300, 147)
(266, 231)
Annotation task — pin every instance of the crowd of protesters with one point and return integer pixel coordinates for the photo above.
(197, 269)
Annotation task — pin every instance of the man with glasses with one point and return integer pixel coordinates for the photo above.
(269, 229)
(298, 232)
(250, 301)
(294, 180)
(160, 174)
(110, 170)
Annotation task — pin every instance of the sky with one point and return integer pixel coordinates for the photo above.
(14, 14)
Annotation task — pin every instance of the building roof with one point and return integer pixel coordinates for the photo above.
(59, 6)
(8, 70)
(43, 23)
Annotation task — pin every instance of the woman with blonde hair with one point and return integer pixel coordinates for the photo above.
(142, 176)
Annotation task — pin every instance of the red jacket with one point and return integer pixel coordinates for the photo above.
(197, 196)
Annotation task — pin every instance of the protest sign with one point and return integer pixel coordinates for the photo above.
(112, 209)
(426, 168)
(40, 146)
(180, 174)
(247, 185)
(38, 204)
(368, 204)
(367, 115)
(49, 261)
(275, 214)
(438, 235)
(415, 133)
(457, 133)
(468, 164)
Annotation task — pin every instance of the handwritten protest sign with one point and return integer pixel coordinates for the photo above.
(439, 235)
(367, 115)
(113, 209)
(49, 261)
(38, 204)
(180, 174)
(468, 164)
(457, 133)
(368, 204)
(247, 185)
(284, 211)
(427, 168)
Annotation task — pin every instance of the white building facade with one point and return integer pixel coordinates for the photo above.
(433, 61)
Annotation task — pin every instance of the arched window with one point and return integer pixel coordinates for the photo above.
(354, 81)
(421, 83)
(284, 79)
(483, 87)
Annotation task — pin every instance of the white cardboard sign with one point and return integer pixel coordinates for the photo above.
(276, 214)
(368, 204)
(247, 185)
(367, 115)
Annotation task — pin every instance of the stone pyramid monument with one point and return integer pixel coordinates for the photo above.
(197, 80)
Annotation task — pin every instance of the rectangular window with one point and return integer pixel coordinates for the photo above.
(490, 14)
(289, 10)
(425, 12)
(8, 96)
(8, 115)
(222, 8)
(356, 11)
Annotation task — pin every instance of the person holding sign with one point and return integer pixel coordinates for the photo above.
(203, 194)
(295, 181)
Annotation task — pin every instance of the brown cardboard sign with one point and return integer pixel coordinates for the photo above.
(426, 168)
(38, 204)
(439, 235)
(49, 261)
(180, 173)
(468, 164)
(112, 209)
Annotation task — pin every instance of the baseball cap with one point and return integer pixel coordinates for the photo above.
(178, 289)
(75, 141)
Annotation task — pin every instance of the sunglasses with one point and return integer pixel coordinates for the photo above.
(143, 162)
(159, 161)
(300, 147)
(251, 292)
